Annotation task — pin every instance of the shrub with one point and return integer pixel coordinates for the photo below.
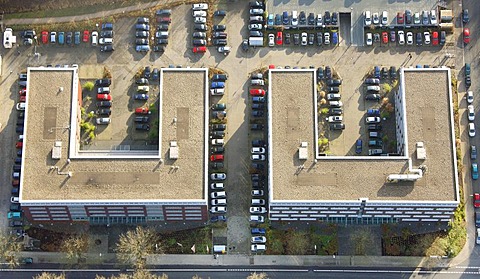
(88, 86)
(387, 87)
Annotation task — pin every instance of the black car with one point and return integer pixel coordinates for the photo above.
(259, 143)
(107, 48)
(287, 40)
(408, 17)
(373, 97)
(337, 126)
(218, 127)
(256, 5)
(443, 37)
(257, 127)
(334, 89)
(141, 41)
(18, 161)
(162, 41)
(15, 207)
(220, 42)
(220, 13)
(200, 27)
(258, 106)
(21, 115)
(162, 27)
(374, 127)
(257, 113)
(217, 165)
(373, 81)
(334, 18)
(258, 184)
(106, 34)
(278, 19)
(69, 38)
(159, 48)
(142, 127)
(142, 81)
(104, 104)
(311, 38)
(311, 19)
(199, 42)
(19, 130)
(219, 28)
(296, 39)
(217, 150)
(105, 111)
(328, 72)
(219, 35)
(419, 39)
(141, 34)
(320, 73)
(465, 16)
(255, 33)
(335, 111)
(245, 45)
(384, 73)
(258, 166)
(468, 81)
(104, 82)
(334, 82)
(327, 19)
(393, 72)
(302, 19)
(141, 119)
(15, 223)
(147, 72)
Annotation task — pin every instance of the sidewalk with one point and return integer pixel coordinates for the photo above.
(85, 17)
(242, 260)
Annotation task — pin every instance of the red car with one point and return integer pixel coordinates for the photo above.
(257, 92)
(22, 92)
(23, 99)
(15, 183)
(435, 38)
(199, 49)
(19, 145)
(466, 35)
(476, 200)
(142, 111)
(164, 20)
(216, 158)
(86, 36)
(399, 18)
(385, 37)
(104, 97)
(279, 38)
(45, 37)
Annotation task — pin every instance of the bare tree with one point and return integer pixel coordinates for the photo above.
(48, 275)
(135, 245)
(75, 246)
(9, 246)
(257, 276)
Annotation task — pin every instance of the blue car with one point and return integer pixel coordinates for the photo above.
(218, 84)
(286, 18)
(358, 146)
(376, 72)
(61, 38)
(270, 21)
(335, 38)
(258, 231)
(474, 171)
(140, 97)
(373, 112)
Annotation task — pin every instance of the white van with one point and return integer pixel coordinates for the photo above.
(368, 18)
(258, 247)
(219, 249)
(258, 202)
(257, 82)
(105, 41)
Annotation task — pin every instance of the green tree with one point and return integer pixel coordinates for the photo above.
(387, 87)
(134, 246)
(9, 246)
(257, 276)
(137, 274)
(75, 246)
(89, 86)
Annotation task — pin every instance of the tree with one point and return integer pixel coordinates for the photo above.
(257, 276)
(387, 88)
(88, 86)
(137, 274)
(48, 275)
(75, 246)
(9, 246)
(134, 246)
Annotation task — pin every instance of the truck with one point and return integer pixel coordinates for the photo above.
(8, 38)
(255, 41)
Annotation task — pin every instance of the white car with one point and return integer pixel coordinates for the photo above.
(258, 150)
(258, 248)
(15, 200)
(217, 195)
(199, 13)
(326, 39)
(477, 239)
(416, 18)
(200, 6)
(103, 121)
(21, 106)
(384, 18)
(217, 186)
(256, 11)
(218, 209)
(336, 104)
(257, 193)
(257, 219)
(372, 119)
(401, 37)
(409, 38)
(94, 38)
(218, 176)
(255, 26)
(224, 49)
(471, 113)
(368, 18)
(258, 239)
(471, 129)
(304, 38)
(433, 17)
(258, 210)
(335, 118)
(217, 91)
(426, 36)
(200, 19)
(218, 142)
(470, 97)
(257, 157)
(376, 18)
(319, 20)
(369, 40)
(215, 202)
(271, 40)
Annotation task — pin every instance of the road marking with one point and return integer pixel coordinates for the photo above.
(395, 271)
(55, 270)
(224, 270)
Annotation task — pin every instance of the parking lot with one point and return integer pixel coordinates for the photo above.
(352, 64)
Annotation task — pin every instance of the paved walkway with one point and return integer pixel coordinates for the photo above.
(85, 17)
